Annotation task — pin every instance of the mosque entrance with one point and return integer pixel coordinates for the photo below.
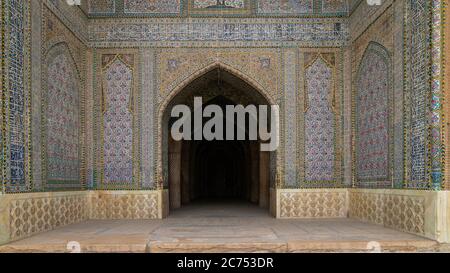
(211, 171)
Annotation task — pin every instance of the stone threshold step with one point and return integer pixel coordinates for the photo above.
(293, 247)
(247, 247)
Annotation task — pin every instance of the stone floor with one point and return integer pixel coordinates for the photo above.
(218, 227)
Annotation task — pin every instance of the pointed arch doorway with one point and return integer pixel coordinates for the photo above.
(225, 171)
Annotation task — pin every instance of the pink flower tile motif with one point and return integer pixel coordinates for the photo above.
(372, 119)
(118, 120)
(63, 121)
(319, 123)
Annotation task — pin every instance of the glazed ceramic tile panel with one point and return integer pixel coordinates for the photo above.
(319, 158)
(62, 118)
(62, 121)
(373, 118)
(290, 109)
(224, 4)
(208, 31)
(417, 92)
(437, 126)
(147, 121)
(219, 7)
(15, 97)
(398, 151)
(161, 7)
(319, 123)
(285, 7)
(241, 33)
(36, 90)
(118, 124)
(2, 137)
(214, 8)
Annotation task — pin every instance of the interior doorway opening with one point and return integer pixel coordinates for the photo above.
(219, 170)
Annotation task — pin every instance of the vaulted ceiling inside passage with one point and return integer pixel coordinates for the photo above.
(218, 8)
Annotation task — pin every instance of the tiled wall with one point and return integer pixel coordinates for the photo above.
(446, 88)
(414, 157)
(179, 8)
(53, 22)
(24, 139)
(373, 39)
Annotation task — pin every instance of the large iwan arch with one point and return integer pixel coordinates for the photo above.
(222, 85)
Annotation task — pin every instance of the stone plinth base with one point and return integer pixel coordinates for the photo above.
(425, 213)
(25, 214)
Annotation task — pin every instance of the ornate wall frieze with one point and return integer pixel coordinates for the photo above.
(211, 8)
(145, 7)
(170, 32)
